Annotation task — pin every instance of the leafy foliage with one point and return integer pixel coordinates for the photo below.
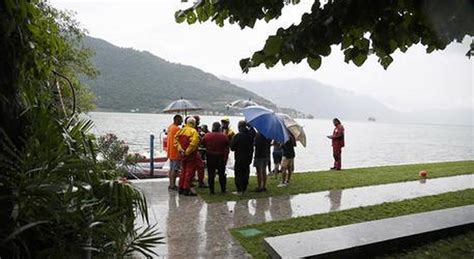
(360, 27)
(57, 200)
(112, 148)
(114, 153)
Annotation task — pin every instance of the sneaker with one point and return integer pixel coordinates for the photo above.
(283, 185)
(332, 168)
(174, 188)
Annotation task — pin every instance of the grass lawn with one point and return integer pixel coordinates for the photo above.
(456, 247)
(348, 178)
(459, 246)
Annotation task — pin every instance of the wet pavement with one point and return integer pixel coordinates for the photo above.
(196, 229)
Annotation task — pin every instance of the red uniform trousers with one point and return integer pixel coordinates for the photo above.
(337, 154)
(188, 167)
(199, 167)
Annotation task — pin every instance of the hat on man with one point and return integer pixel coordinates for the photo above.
(225, 119)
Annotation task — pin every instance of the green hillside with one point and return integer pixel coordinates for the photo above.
(131, 79)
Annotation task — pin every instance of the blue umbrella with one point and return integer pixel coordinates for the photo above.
(267, 123)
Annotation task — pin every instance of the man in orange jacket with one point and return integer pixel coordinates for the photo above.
(172, 151)
(187, 142)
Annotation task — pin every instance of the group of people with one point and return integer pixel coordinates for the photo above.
(189, 146)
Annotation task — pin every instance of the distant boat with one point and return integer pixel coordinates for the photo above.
(371, 119)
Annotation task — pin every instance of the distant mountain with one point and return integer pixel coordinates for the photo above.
(317, 99)
(131, 80)
(323, 101)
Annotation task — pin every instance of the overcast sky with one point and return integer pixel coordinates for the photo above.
(414, 81)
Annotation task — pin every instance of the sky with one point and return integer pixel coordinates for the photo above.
(414, 81)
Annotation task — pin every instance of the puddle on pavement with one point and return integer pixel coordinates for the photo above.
(194, 228)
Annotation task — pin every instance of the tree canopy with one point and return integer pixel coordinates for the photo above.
(360, 27)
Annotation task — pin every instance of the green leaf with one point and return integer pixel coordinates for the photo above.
(245, 64)
(22, 229)
(285, 59)
(180, 16)
(191, 17)
(359, 59)
(270, 61)
(362, 44)
(346, 41)
(201, 14)
(258, 58)
(314, 63)
(386, 61)
(430, 49)
(324, 50)
(393, 45)
(273, 45)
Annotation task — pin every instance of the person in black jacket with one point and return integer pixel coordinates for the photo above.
(242, 145)
(261, 160)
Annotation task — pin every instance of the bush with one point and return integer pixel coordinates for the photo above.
(57, 199)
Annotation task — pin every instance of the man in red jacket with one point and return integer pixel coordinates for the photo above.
(337, 138)
(217, 150)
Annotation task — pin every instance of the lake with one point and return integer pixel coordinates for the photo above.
(367, 143)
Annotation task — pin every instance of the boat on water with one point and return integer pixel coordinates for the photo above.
(143, 168)
(154, 164)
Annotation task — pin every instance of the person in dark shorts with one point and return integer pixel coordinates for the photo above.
(288, 164)
(261, 160)
(277, 157)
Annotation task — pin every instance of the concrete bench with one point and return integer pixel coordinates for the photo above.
(365, 238)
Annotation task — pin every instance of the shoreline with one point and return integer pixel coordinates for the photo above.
(379, 121)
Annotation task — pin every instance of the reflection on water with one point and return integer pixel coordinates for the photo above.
(335, 199)
(194, 228)
(367, 143)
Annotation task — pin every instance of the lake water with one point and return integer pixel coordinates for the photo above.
(367, 143)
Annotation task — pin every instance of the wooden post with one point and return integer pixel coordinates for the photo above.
(152, 160)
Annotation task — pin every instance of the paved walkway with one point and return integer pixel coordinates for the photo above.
(195, 229)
